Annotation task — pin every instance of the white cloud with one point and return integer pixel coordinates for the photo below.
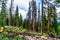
(23, 7)
(22, 4)
(58, 10)
(23, 13)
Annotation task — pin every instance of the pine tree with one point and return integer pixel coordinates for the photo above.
(3, 14)
(25, 23)
(44, 22)
(54, 19)
(49, 18)
(17, 17)
(20, 20)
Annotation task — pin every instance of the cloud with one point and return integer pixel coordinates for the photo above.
(23, 4)
(23, 13)
(23, 7)
(58, 10)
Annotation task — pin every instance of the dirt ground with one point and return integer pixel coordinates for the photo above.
(38, 38)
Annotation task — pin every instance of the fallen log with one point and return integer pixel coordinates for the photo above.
(12, 33)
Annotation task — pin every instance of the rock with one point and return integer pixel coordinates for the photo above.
(34, 38)
(43, 37)
(58, 36)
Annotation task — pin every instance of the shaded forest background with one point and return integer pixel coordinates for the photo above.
(44, 21)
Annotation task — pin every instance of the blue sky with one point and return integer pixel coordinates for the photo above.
(24, 5)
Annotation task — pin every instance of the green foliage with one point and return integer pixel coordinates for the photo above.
(17, 17)
(3, 15)
(24, 23)
(22, 29)
(54, 21)
(18, 38)
(53, 32)
(20, 20)
(56, 32)
(58, 1)
(45, 22)
(58, 28)
(1, 35)
(1, 23)
(6, 38)
(58, 23)
(15, 29)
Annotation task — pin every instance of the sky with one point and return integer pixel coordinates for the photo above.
(24, 5)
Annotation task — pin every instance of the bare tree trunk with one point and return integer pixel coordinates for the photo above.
(29, 17)
(10, 14)
(33, 15)
(42, 18)
(39, 19)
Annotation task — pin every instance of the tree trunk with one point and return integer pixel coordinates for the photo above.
(42, 18)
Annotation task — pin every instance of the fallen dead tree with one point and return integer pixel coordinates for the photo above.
(24, 34)
(12, 33)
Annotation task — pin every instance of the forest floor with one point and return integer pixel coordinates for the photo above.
(14, 31)
(39, 38)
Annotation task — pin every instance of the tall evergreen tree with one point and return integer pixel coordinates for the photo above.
(44, 22)
(17, 17)
(54, 19)
(3, 14)
(49, 18)
(20, 20)
(24, 23)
